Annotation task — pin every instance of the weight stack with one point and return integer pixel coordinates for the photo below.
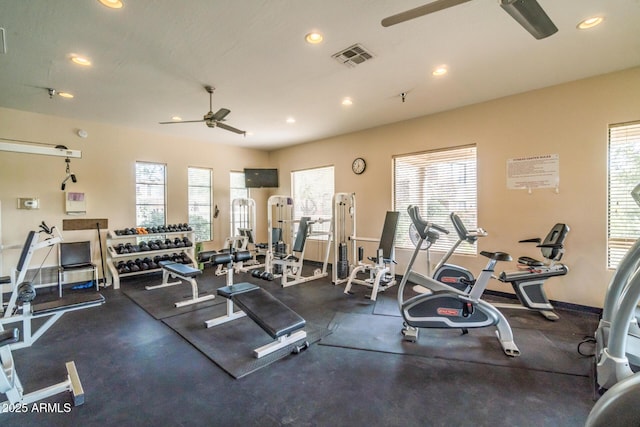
(281, 248)
(343, 262)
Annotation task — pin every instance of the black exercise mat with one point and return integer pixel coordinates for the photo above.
(572, 322)
(386, 305)
(160, 303)
(230, 345)
(540, 351)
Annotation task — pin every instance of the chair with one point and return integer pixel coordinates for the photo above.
(75, 256)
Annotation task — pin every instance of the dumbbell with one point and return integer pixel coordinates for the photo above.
(267, 276)
(144, 246)
(257, 274)
(178, 243)
(133, 267)
(187, 242)
(150, 263)
(122, 268)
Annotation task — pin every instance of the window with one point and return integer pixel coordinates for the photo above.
(150, 194)
(237, 189)
(312, 192)
(439, 182)
(623, 225)
(200, 198)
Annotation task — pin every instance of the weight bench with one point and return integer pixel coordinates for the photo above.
(51, 309)
(279, 321)
(275, 318)
(184, 272)
(11, 386)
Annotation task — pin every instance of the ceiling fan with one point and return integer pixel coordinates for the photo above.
(528, 13)
(211, 119)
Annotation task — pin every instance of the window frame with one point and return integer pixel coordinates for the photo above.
(623, 214)
(150, 185)
(323, 205)
(462, 162)
(197, 225)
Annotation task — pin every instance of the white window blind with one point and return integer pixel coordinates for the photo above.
(237, 188)
(312, 192)
(439, 182)
(150, 194)
(200, 202)
(624, 174)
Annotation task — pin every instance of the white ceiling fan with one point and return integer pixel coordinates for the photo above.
(528, 13)
(211, 119)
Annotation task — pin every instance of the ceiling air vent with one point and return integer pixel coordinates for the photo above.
(353, 55)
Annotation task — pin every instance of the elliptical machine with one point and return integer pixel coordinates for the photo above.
(446, 307)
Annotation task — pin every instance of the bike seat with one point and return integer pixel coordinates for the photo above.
(530, 262)
(498, 256)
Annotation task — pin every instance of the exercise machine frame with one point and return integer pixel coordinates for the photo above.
(446, 307)
(382, 269)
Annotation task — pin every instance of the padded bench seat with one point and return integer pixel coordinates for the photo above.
(67, 303)
(184, 272)
(266, 310)
(179, 269)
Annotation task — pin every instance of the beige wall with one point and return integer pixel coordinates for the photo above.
(570, 120)
(106, 174)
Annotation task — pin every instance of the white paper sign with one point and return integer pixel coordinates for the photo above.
(533, 172)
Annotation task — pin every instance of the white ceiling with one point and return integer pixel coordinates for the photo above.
(151, 60)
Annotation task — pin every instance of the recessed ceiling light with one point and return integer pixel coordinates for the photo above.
(65, 95)
(176, 118)
(112, 4)
(314, 37)
(440, 71)
(291, 120)
(347, 101)
(590, 22)
(80, 60)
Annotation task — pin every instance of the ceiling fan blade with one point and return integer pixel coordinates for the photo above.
(181, 121)
(230, 128)
(420, 11)
(220, 114)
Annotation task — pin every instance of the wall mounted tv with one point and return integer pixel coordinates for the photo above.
(261, 178)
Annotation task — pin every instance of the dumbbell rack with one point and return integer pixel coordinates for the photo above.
(113, 257)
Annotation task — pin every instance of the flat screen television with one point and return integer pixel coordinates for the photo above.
(261, 178)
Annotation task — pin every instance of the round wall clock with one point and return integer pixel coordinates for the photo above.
(358, 166)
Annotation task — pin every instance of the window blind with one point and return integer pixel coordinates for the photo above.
(623, 222)
(439, 182)
(150, 194)
(200, 202)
